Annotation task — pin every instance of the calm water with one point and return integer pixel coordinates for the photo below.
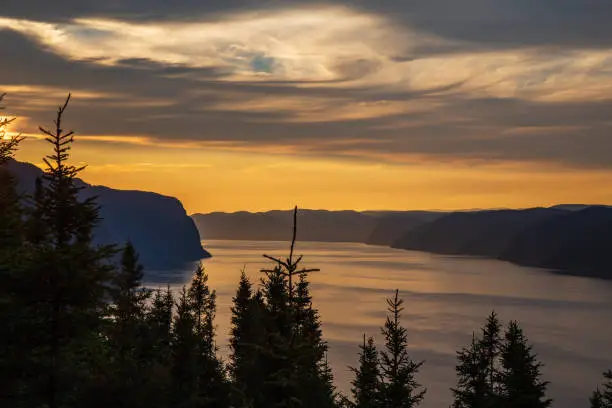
(567, 318)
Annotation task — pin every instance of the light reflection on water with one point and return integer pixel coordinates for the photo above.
(567, 318)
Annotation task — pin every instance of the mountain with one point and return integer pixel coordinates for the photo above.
(480, 233)
(393, 226)
(313, 225)
(157, 225)
(577, 242)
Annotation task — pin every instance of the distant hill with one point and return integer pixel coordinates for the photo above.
(572, 238)
(158, 226)
(480, 233)
(313, 225)
(390, 228)
(578, 242)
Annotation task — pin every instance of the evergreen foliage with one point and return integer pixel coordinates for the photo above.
(499, 372)
(399, 387)
(366, 384)
(602, 397)
(521, 374)
(79, 330)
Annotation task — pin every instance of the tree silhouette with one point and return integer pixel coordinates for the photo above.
(399, 387)
(522, 384)
(366, 384)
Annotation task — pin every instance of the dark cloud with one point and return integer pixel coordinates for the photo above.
(174, 102)
(490, 23)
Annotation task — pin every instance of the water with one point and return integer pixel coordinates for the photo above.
(446, 298)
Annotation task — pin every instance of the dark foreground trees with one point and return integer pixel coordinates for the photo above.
(78, 329)
(499, 372)
(602, 396)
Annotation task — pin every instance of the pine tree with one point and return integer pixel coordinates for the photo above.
(159, 320)
(157, 347)
(243, 344)
(366, 385)
(213, 389)
(130, 359)
(62, 286)
(294, 354)
(522, 384)
(314, 373)
(128, 307)
(472, 386)
(399, 388)
(602, 398)
(11, 251)
(491, 348)
(184, 368)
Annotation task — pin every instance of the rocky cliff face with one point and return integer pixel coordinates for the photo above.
(157, 225)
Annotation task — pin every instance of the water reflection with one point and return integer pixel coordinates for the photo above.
(567, 318)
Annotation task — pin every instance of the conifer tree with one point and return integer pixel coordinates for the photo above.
(159, 320)
(294, 353)
(184, 369)
(63, 285)
(130, 359)
(11, 242)
(366, 384)
(491, 343)
(522, 384)
(602, 398)
(244, 344)
(399, 387)
(472, 386)
(213, 389)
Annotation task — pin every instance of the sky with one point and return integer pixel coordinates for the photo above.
(255, 105)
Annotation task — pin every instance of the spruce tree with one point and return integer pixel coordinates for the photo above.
(522, 384)
(491, 348)
(294, 354)
(472, 386)
(399, 387)
(184, 366)
(11, 251)
(63, 284)
(158, 346)
(213, 388)
(243, 345)
(127, 332)
(315, 376)
(602, 398)
(366, 384)
(159, 321)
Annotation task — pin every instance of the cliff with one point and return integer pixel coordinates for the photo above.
(157, 225)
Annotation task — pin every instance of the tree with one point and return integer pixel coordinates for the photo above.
(522, 384)
(11, 251)
(129, 358)
(491, 348)
(399, 388)
(602, 398)
(63, 281)
(243, 344)
(366, 385)
(184, 354)
(293, 353)
(472, 386)
(213, 390)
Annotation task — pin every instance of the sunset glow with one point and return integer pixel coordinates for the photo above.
(360, 107)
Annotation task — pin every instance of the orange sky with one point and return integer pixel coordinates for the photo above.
(397, 105)
(216, 180)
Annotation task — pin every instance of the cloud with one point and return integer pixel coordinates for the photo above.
(363, 83)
